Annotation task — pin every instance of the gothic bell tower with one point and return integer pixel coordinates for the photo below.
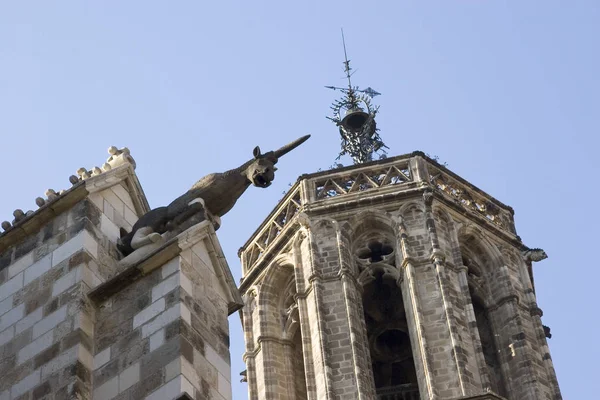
(395, 279)
(391, 279)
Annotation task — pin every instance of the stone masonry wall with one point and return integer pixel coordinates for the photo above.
(157, 338)
(46, 334)
(162, 336)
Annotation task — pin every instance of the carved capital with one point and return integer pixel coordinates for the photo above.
(303, 220)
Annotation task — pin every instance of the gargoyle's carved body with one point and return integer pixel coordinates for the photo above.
(216, 193)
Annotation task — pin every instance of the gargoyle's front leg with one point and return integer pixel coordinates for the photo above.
(144, 236)
(195, 206)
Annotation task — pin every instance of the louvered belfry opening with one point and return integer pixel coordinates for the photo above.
(385, 319)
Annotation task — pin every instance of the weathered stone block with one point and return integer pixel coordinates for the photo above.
(149, 313)
(25, 384)
(11, 286)
(35, 347)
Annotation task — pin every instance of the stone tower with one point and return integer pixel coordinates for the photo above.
(79, 321)
(394, 279)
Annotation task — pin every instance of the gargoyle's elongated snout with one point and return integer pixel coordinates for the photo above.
(291, 146)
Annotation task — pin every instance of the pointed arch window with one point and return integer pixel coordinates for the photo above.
(478, 292)
(390, 348)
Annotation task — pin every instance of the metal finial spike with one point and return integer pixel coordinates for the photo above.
(347, 68)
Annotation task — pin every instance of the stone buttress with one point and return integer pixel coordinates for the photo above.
(391, 279)
(77, 323)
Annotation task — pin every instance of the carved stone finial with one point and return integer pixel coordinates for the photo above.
(96, 171)
(6, 225)
(83, 173)
(119, 157)
(106, 166)
(73, 179)
(19, 215)
(40, 201)
(51, 194)
(534, 255)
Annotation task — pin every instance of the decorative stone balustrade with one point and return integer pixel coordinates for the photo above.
(354, 181)
(472, 199)
(385, 177)
(279, 220)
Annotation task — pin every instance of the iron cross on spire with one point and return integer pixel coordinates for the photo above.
(355, 117)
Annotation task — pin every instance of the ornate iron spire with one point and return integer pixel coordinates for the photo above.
(355, 117)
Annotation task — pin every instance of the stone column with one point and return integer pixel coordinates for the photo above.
(441, 341)
(335, 320)
(518, 341)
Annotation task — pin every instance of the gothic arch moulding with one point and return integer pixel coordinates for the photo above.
(250, 317)
(413, 214)
(276, 277)
(372, 219)
(445, 228)
(472, 241)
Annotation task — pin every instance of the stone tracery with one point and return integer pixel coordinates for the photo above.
(384, 313)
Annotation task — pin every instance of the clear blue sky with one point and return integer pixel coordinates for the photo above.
(506, 92)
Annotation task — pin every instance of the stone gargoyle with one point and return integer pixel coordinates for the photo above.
(534, 255)
(210, 198)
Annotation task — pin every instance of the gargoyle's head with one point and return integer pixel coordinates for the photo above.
(261, 170)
